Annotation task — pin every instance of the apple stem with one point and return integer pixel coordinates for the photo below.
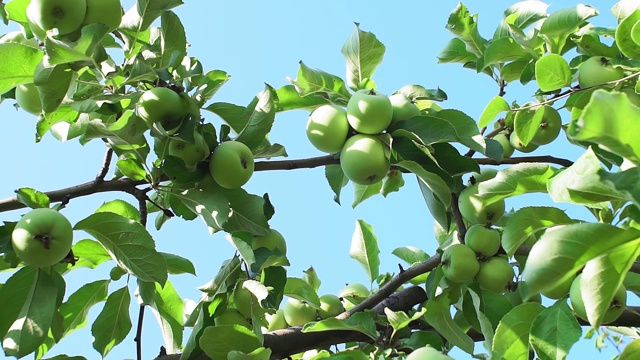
(45, 239)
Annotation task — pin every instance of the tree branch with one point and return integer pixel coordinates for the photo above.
(526, 159)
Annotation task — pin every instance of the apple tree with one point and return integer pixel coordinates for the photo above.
(505, 283)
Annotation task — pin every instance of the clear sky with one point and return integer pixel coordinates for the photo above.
(259, 42)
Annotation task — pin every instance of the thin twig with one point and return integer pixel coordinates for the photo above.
(105, 165)
(138, 338)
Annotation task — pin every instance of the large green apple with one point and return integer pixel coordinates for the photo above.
(618, 304)
(427, 353)
(549, 127)
(484, 175)
(246, 302)
(275, 321)
(495, 274)
(369, 112)
(232, 316)
(352, 294)
(108, 12)
(559, 291)
(272, 241)
(484, 241)
(476, 210)
(327, 128)
(298, 312)
(28, 98)
(507, 148)
(330, 306)
(519, 145)
(364, 159)
(162, 106)
(597, 70)
(231, 164)
(459, 264)
(65, 15)
(403, 108)
(191, 154)
(42, 237)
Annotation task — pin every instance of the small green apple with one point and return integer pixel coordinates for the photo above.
(597, 70)
(618, 304)
(549, 127)
(232, 316)
(484, 175)
(559, 291)
(276, 321)
(191, 154)
(476, 210)
(369, 112)
(495, 274)
(272, 241)
(330, 306)
(484, 241)
(28, 98)
(519, 145)
(403, 108)
(231, 164)
(364, 159)
(246, 302)
(107, 12)
(65, 15)
(42, 237)
(427, 353)
(352, 294)
(507, 148)
(327, 128)
(459, 263)
(162, 106)
(298, 312)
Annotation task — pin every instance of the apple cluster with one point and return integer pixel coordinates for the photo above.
(354, 132)
(42, 237)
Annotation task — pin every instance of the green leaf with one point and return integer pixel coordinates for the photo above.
(234, 115)
(81, 51)
(552, 72)
(360, 322)
(484, 324)
(218, 341)
(625, 183)
(625, 33)
(364, 192)
(225, 279)
(527, 221)
(363, 52)
(562, 23)
(511, 340)
(364, 249)
(18, 65)
(609, 120)
(561, 251)
(504, 50)
(75, 310)
(400, 320)
(528, 12)
(436, 207)
(32, 198)
(13, 294)
(631, 351)
(515, 180)
(210, 204)
(260, 353)
(554, 331)
(301, 290)
(317, 82)
(527, 122)
(497, 105)
(311, 277)
(33, 321)
(113, 323)
(174, 41)
(121, 208)
(289, 99)
(465, 27)
(128, 243)
(90, 254)
(260, 120)
(247, 213)
(456, 52)
(53, 84)
(410, 254)
(439, 316)
(168, 308)
(393, 182)
(435, 183)
(178, 265)
(192, 348)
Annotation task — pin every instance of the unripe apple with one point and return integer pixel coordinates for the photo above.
(42, 237)
(244, 300)
(231, 164)
(475, 209)
(191, 154)
(162, 106)
(232, 316)
(559, 291)
(276, 321)
(427, 353)
(507, 148)
(459, 264)
(484, 241)
(484, 175)
(402, 107)
(107, 12)
(597, 70)
(65, 15)
(369, 112)
(549, 127)
(352, 294)
(495, 274)
(298, 312)
(618, 304)
(28, 98)
(519, 145)
(327, 128)
(364, 159)
(330, 306)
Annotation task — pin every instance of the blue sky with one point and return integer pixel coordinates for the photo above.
(262, 42)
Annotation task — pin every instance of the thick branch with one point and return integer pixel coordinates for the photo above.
(526, 159)
(297, 163)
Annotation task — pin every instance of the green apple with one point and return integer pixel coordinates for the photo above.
(618, 304)
(364, 159)
(42, 237)
(276, 321)
(403, 108)
(484, 175)
(495, 274)
(517, 296)
(191, 154)
(519, 145)
(108, 12)
(28, 98)
(162, 106)
(369, 112)
(427, 353)
(484, 241)
(272, 241)
(459, 264)
(476, 210)
(549, 127)
(232, 316)
(327, 128)
(246, 302)
(19, 38)
(298, 312)
(352, 294)
(330, 306)
(231, 164)
(559, 291)
(507, 148)
(65, 15)
(597, 70)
